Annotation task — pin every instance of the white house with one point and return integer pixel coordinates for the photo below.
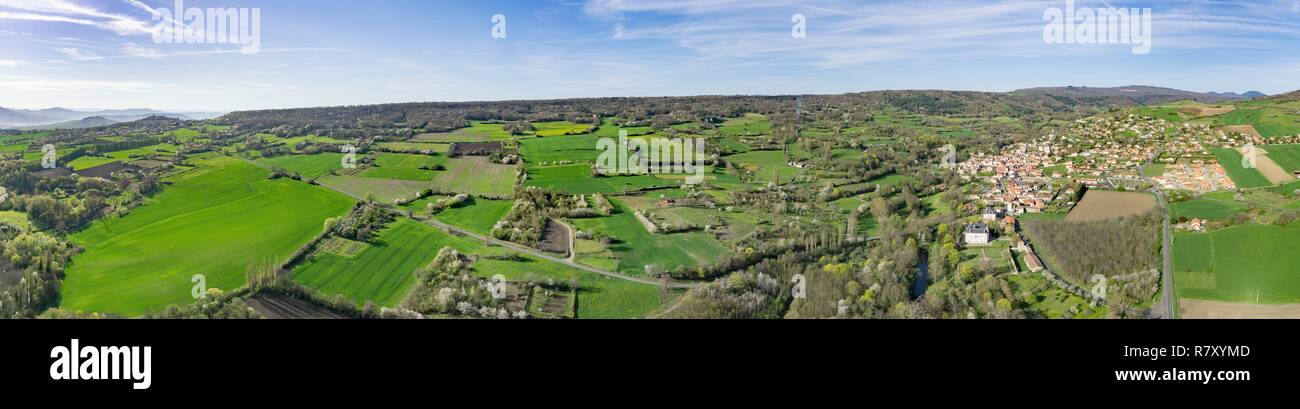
(978, 234)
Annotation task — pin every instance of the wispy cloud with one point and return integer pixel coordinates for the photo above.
(850, 34)
(64, 11)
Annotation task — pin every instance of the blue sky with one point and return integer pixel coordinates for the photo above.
(101, 54)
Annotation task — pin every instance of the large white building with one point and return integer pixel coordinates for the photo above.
(978, 234)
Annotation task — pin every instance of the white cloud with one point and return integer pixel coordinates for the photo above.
(63, 11)
(78, 54)
(12, 63)
(133, 50)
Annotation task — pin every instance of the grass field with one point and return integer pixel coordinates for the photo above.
(309, 166)
(214, 221)
(15, 218)
(476, 176)
(549, 129)
(599, 297)
(749, 125)
(384, 190)
(416, 148)
(404, 166)
(1269, 122)
(1286, 156)
(572, 148)
(763, 162)
(476, 132)
(577, 179)
(87, 162)
(1243, 263)
(1245, 178)
(637, 248)
(1207, 208)
(384, 271)
(479, 216)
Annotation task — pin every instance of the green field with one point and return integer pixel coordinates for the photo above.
(1230, 159)
(1286, 156)
(404, 166)
(1209, 207)
(479, 216)
(763, 162)
(637, 248)
(385, 270)
(476, 132)
(599, 297)
(749, 125)
(1239, 264)
(476, 176)
(572, 148)
(384, 190)
(549, 129)
(1268, 122)
(416, 148)
(213, 221)
(87, 162)
(15, 218)
(577, 179)
(309, 166)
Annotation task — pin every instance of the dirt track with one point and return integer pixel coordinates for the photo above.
(1197, 309)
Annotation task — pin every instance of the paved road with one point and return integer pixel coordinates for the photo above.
(1166, 250)
(1166, 309)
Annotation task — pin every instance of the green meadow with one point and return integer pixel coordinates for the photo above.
(384, 271)
(214, 221)
(577, 179)
(479, 216)
(748, 125)
(1245, 178)
(635, 247)
(404, 166)
(309, 166)
(1242, 263)
(1207, 207)
(476, 176)
(1286, 156)
(763, 162)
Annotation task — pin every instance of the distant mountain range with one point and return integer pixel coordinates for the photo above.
(63, 118)
(1142, 95)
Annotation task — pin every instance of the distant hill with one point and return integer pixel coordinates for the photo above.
(91, 122)
(51, 118)
(1137, 94)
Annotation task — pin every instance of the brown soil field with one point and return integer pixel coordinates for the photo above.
(555, 239)
(1243, 129)
(1197, 309)
(1209, 110)
(280, 307)
(1270, 169)
(1105, 204)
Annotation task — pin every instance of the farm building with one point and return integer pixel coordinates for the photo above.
(1032, 261)
(978, 234)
